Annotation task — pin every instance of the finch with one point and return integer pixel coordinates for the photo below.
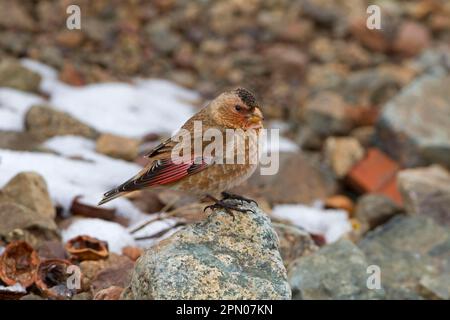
(199, 174)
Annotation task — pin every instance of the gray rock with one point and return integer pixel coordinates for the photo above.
(45, 122)
(14, 75)
(328, 114)
(414, 127)
(294, 242)
(21, 141)
(30, 190)
(426, 191)
(373, 210)
(337, 271)
(219, 258)
(317, 181)
(411, 252)
(20, 223)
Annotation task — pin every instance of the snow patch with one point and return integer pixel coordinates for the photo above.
(111, 232)
(128, 109)
(77, 170)
(13, 107)
(331, 223)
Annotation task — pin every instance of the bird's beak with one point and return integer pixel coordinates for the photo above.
(256, 116)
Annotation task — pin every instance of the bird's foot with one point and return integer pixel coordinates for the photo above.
(227, 195)
(227, 207)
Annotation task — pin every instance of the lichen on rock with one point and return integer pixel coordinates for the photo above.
(219, 258)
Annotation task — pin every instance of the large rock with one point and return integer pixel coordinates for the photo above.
(414, 126)
(14, 75)
(413, 253)
(301, 179)
(219, 258)
(426, 191)
(45, 122)
(30, 190)
(20, 223)
(336, 271)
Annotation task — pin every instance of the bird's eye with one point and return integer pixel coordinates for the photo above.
(238, 108)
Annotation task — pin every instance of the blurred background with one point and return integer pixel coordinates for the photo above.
(364, 116)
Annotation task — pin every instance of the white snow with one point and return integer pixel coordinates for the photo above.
(111, 232)
(330, 223)
(16, 288)
(67, 177)
(13, 106)
(128, 109)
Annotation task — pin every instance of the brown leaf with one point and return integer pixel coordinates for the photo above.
(52, 279)
(87, 248)
(18, 264)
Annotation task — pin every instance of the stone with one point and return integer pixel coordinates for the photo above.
(373, 39)
(30, 190)
(372, 172)
(14, 75)
(301, 179)
(115, 275)
(111, 293)
(45, 122)
(21, 141)
(14, 15)
(21, 223)
(377, 85)
(290, 59)
(219, 258)
(343, 153)
(328, 114)
(294, 242)
(426, 191)
(411, 38)
(425, 137)
(373, 210)
(409, 250)
(337, 271)
(90, 269)
(117, 147)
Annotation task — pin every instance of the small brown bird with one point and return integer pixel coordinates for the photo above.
(197, 174)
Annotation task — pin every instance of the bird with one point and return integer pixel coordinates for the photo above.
(197, 174)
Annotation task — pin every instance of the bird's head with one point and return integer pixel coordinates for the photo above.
(237, 109)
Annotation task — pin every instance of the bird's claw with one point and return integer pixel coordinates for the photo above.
(227, 195)
(228, 208)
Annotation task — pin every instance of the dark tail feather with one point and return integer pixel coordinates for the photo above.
(110, 195)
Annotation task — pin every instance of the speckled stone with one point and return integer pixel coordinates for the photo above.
(215, 259)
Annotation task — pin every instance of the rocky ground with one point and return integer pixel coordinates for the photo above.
(363, 181)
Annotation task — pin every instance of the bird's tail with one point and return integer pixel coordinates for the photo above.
(110, 195)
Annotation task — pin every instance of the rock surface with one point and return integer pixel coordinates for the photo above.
(294, 242)
(14, 75)
(414, 127)
(342, 153)
(285, 187)
(20, 223)
(426, 191)
(118, 147)
(219, 258)
(411, 252)
(30, 190)
(45, 122)
(336, 271)
(373, 210)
